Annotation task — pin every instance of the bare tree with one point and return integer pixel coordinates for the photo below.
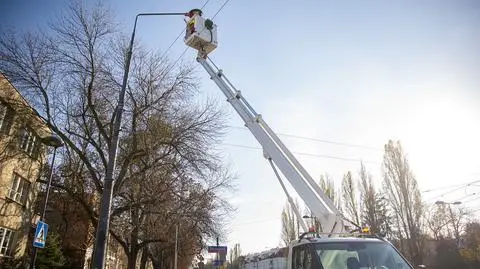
(457, 221)
(235, 254)
(374, 211)
(436, 220)
(290, 224)
(328, 186)
(404, 198)
(350, 198)
(166, 161)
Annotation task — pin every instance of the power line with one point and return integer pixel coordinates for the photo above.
(448, 192)
(318, 140)
(455, 188)
(307, 154)
(452, 186)
(220, 9)
(471, 200)
(466, 196)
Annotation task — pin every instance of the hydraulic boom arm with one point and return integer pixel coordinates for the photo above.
(201, 35)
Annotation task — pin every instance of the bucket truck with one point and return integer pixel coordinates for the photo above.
(336, 246)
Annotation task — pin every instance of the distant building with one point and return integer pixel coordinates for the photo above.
(21, 158)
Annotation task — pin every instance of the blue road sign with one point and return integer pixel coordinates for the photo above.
(40, 235)
(217, 249)
(217, 263)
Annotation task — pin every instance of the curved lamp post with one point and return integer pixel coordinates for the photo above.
(99, 252)
(55, 142)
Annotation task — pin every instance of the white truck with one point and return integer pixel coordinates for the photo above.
(336, 247)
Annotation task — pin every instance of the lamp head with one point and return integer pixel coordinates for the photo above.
(52, 141)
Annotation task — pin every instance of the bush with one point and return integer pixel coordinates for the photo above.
(51, 256)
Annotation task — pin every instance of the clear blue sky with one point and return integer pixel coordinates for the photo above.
(359, 72)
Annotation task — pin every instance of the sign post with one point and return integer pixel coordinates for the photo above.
(40, 235)
(217, 249)
(220, 254)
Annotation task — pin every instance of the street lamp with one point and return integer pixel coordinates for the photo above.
(106, 202)
(314, 222)
(55, 142)
(445, 203)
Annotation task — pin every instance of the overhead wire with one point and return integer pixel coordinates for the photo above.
(317, 140)
(452, 186)
(465, 197)
(471, 200)
(448, 192)
(220, 9)
(307, 154)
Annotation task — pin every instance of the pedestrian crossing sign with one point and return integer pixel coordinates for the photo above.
(40, 235)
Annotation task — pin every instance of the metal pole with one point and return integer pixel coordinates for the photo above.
(176, 246)
(44, 208)
(106, 202)
(217, 255)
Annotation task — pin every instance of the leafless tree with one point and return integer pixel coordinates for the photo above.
(404, 198)
(72, 77)
(457, 221)
(436, 220)
(374, 211)
(234, 256)
(350, 198)
(290, 224)
(328, 186)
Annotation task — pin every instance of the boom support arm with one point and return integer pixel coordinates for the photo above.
(274, 150)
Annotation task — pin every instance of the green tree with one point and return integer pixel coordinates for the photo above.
(51, 256)
(447, 255)
(12, 263)
(471, 245)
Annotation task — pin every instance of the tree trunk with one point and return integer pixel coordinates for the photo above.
(156, 264)
(132, 259)
(144, 258)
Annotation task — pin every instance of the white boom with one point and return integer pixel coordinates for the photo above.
(201, 35)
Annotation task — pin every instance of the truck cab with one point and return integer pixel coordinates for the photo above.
(344, 253)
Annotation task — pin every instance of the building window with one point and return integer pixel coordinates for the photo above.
(19, 189)
(6, 241)
(6, 118)
(29, 143)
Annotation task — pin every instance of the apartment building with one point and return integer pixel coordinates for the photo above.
(22, 156)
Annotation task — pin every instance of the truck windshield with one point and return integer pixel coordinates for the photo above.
(359, 255)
